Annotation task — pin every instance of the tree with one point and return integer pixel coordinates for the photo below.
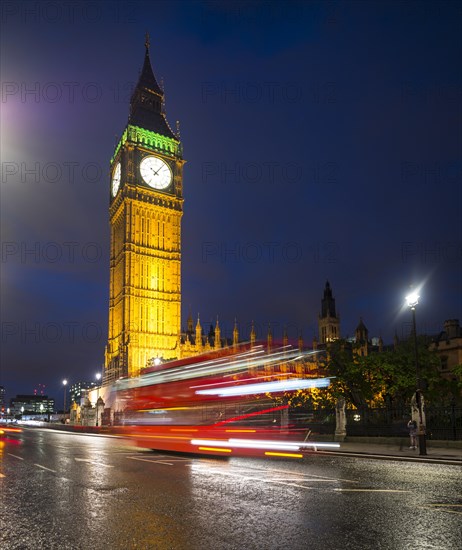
(457, 382)
(385, 377)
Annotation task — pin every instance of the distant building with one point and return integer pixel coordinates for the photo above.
(448, 345)
(32, 404)
(79, 390)
(363, 345)
(329, 329)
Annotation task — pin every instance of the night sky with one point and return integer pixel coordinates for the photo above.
(322, 141)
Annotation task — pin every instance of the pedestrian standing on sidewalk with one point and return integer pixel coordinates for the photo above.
(412, 427)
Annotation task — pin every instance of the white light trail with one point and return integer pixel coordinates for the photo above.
(262, 444)
(228, 364)
(268, 387)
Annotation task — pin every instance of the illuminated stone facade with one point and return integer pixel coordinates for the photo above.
(448, 345)
(146, 206)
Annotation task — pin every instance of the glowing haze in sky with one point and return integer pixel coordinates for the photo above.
(322, 141)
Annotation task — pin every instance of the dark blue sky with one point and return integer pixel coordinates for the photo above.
(322, 141)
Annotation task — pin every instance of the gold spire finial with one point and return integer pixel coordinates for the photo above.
(146, 41)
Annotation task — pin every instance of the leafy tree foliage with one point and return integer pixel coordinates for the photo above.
(378, 379)
(388, 377)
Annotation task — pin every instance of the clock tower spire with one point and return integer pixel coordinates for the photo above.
(147, 100)
(145, 210)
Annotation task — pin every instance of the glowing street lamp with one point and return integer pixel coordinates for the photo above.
(64, 403)
(98, 378)
(412, 300)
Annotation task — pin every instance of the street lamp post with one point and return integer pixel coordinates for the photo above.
(64, 401)
(412, 300)
(98, 378)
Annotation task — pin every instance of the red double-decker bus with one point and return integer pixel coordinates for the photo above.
(195, 404)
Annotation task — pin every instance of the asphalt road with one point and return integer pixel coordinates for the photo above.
(72, 491)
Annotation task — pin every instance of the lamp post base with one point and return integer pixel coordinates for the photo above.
(422, 445)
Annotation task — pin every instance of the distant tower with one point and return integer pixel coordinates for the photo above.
(270, 338)
(235, 334)
(145, 210)
(198, 334)
(253, 335)
(328, 320)
(362, 339)
(217, 341)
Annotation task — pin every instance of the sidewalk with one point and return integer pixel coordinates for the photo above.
(437, 451)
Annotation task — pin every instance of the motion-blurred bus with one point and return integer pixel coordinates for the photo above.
(224, 402)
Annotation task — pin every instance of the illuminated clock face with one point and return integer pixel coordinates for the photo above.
(155, 172)
(116, 179)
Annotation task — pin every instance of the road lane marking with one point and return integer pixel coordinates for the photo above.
(280, 480)
(260, 480)
(372, 490)
(300, 474)
(148, 460)
(443, 508)
(304, 477)
(446, 505)
(15, 456)
(90, 461)
(154, 458)
(170, 457)
(314, 477)
(45, 468)
(288, 484)
(289, 481)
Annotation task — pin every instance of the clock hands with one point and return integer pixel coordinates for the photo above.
(155, 172)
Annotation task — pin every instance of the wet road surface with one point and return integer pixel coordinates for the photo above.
(74, 491)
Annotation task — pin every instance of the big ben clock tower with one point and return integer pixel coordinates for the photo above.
(146, 205)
